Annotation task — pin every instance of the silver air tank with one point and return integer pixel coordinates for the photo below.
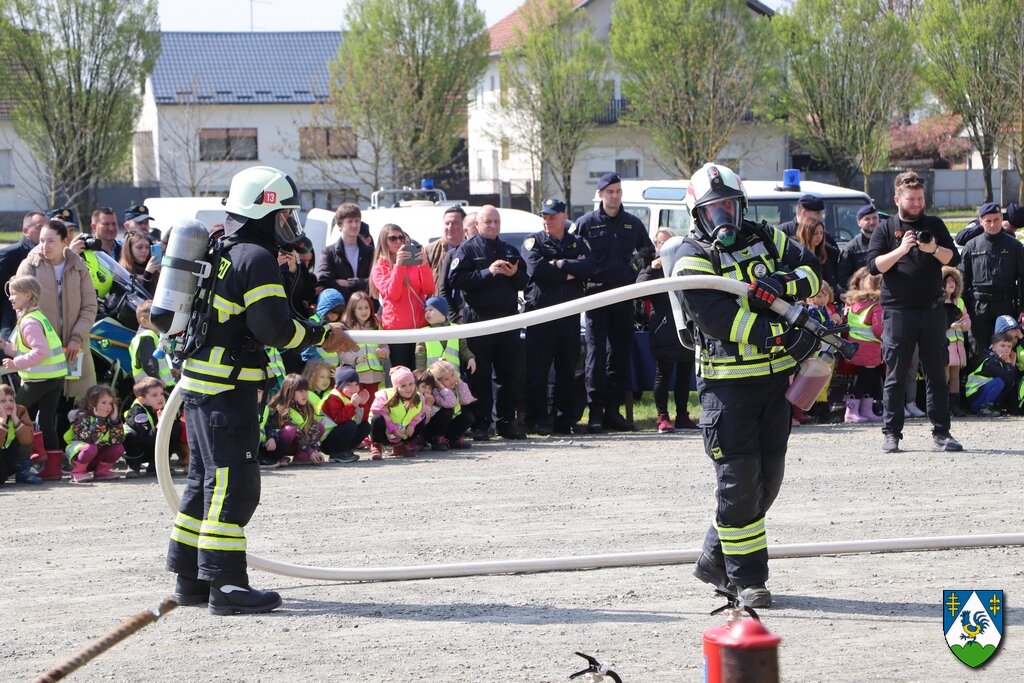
(182, 267)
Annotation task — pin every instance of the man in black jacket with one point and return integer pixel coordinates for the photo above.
(854, 255)
(909, 250)
(11, 257)
(346, 264)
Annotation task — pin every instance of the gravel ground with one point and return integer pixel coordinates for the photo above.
(76, 560)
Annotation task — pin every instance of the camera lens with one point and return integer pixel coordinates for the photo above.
(924, 237)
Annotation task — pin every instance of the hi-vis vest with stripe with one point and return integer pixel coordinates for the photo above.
(860, 325)
(369, 360)
(163, 363)
(55, 364)
(400, 414)
(447, 350)
(736, 358)
(954, 336)
(360, 409)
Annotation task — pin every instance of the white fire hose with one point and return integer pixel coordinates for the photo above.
(515, 322)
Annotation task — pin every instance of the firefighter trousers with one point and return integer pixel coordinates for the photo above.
(223, 487)
(746, 429)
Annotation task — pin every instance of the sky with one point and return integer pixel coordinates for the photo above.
(288, 15)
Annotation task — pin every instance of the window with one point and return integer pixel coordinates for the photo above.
(504, 149)
(228, 144)
(327, 143)
(6, 177)
(627, 168)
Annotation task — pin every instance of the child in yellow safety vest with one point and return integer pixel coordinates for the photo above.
(864, 318)
(36, 353)
(369, 360)
(292, 423)
(148, 360)
(15, 440)
(956, 334)
(140, 422)
(96, 437)
(449, 423)
(344, 406)
(319, 374)
(397, 415)
(455, 351)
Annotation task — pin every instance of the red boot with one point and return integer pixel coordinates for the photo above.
(51, 468)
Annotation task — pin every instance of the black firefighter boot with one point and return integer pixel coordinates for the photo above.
(228, 599)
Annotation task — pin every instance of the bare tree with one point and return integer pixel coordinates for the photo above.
(964, 43)
(691, 71)
(1011, 73)
(843, 88)
(73, 69)
(186, 169)
(554, 85)
(403, 75)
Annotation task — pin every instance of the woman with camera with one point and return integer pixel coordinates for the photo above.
(401, 280)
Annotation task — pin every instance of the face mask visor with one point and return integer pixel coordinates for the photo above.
(720, 221)
(287, 230)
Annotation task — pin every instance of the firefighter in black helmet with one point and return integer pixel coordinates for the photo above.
(219, 385)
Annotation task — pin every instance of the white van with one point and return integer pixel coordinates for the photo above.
(661, 203)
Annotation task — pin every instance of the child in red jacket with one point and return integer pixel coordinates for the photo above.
(345, 405)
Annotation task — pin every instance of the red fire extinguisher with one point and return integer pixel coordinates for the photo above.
(741, 651)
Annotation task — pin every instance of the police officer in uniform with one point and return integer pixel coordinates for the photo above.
(1013, 220)
(854, 255)
(558, 264)
(220, 379)
(490, 273)
(745, 357)
(617, 240)
(992, 265)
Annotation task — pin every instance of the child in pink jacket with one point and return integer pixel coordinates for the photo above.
(398, 415)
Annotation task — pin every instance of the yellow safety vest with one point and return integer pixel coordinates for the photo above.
(952, 335)
(164, 365)
(10, 433)
(370, 361)
(443, 350)
(55, 364)
(400, 414)
(860, 325)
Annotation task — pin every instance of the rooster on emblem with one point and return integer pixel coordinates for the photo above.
(972, 631)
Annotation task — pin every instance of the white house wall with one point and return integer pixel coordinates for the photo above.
(20, 189)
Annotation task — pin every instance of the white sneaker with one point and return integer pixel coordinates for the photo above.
(913, 411)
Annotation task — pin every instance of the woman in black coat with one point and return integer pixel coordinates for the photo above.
(668, 353)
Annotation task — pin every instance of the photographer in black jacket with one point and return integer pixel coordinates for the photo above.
(909, 250)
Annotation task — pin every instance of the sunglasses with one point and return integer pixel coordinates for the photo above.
(396, 238)
(910, 180)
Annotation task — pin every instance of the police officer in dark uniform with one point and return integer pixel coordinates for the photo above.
(745, 357)
(992, 265)
(558, 264)
(490, 272)
(854, 255)
(1013, 220)
(618, 240)
(909, 250)
(220, 378)
(810, 207)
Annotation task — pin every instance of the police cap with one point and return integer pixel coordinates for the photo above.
(552, 206)
(987, 208)
(138, 214)
(64, 214)
(608, 179)
(811, 202)
(866, 211)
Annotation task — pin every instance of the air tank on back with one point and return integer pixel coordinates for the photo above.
(182, 267)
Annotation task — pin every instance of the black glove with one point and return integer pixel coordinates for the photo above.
(763, 292)
(799, 343)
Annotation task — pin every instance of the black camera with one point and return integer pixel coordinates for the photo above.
(925, 237)
(92, 243)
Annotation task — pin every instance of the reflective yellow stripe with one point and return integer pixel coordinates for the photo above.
(185, 537)
(199, 386)
(742, 325)
(220, 490)
(227, 544)
(226, 305)
(297, 337)
(733, 533)
(222, 529)
(751, 546)
(781, 242)
(715, 369)
(262, 292)
(693, 263)
(221, 370)
(187, 522)
(807, 273)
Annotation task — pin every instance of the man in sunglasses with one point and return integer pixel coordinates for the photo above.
(909, 250)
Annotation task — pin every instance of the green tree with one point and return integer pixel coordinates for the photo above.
(403, 75)
(845, 81)
(691, 71)
(74, 70)
(1011, 72)
(964, 43)
(554, 79)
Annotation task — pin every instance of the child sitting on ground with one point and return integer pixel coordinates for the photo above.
(456, 351)
(397, 415)
(369, 359)
(344, 406)
(864, 318)
(449, 422)
(141, 420)
(96, 436)
(993, 382)
(956, 334)
(16, 432)
(293, 425)
(319, 374)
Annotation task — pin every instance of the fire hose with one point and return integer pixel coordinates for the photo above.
(793, 314)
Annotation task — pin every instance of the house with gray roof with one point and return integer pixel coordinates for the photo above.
(219, 102)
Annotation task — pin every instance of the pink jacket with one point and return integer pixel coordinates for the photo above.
(380, 407)
(403, 292)
(35, 337)
(869, 354)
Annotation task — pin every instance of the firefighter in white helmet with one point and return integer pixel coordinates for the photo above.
(745, 356)
(224, 368)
